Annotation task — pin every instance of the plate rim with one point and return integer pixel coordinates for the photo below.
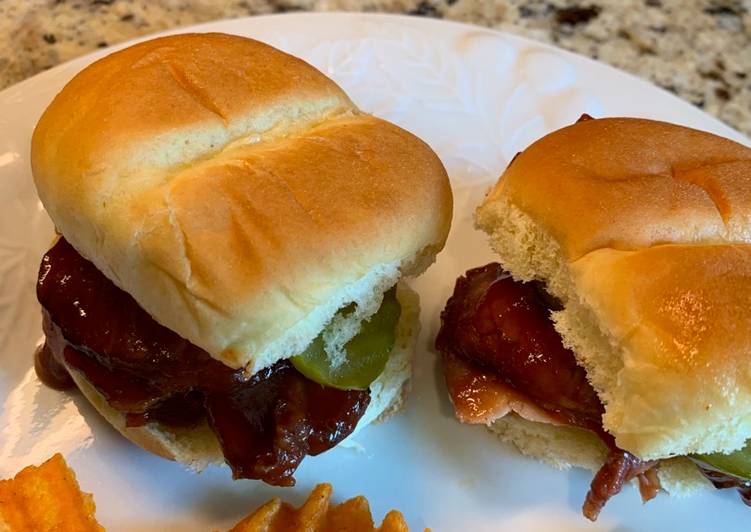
(415, 22)
(81, 61)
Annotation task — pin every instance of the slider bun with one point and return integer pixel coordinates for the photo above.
(236, 192)
(641, 229)
(198, 447)
(566, 447)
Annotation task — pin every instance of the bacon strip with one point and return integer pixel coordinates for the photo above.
(481, 397)
(619, 468)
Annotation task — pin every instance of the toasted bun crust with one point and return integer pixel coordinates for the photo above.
(198, 447)
(641, 228)
(235, 192)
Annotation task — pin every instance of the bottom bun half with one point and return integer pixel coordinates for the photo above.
(565, 447)
(197, 447)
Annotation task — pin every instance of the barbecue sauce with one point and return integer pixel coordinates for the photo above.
(266, 424)
(502, 327)
(722, 480)
(49, 370)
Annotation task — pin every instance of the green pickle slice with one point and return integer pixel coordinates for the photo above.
(737, 464)
(367, 351)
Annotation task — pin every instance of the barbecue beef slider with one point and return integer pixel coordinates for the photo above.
(615, 333)
(233, 231)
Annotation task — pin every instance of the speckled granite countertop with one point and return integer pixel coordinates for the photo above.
(699, 49)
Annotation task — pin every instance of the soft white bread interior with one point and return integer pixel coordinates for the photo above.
(236, 192)
(641, 229)
(565, 447)
(198, 447)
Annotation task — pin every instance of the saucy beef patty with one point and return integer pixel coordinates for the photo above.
(503, 327)
(266, 424)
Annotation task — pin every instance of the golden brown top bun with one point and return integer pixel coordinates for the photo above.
(628, 183)
(642, 229)
(235, 191)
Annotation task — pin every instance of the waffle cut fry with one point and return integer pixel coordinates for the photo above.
(46, 498)
(318, 515)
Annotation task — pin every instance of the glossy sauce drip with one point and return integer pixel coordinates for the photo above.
(49, 370)
(503, 328)
(722, 480)
(266, 424)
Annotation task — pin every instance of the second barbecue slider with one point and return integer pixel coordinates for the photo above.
(615, 333)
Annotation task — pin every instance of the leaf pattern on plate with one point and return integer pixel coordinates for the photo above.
(437, 88)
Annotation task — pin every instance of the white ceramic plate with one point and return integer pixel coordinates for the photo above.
(477, 97)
